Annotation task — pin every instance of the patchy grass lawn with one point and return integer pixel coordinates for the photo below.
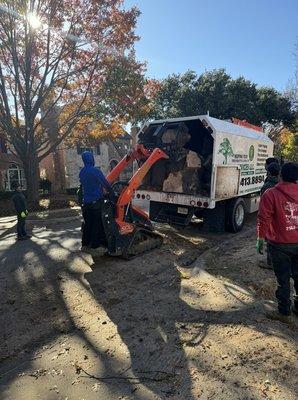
(52, 202)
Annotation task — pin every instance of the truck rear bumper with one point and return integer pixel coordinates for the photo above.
(176, 198)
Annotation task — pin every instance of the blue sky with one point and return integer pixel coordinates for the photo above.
(253, 38)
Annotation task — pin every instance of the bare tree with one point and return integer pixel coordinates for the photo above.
(53, 54)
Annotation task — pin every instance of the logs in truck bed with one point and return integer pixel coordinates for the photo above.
(188, 169)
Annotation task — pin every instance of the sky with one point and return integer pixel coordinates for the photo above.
(252, 38)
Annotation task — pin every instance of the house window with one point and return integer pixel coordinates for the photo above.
(98, 149)
(14, 174)
(80, 149)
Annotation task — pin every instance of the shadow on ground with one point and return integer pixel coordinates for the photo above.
(141, 298)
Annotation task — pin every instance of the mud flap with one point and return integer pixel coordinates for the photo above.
(215, 220)
(170, 213)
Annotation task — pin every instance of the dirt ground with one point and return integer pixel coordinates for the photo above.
(156, 327)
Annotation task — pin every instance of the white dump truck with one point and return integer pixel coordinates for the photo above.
(215, 170)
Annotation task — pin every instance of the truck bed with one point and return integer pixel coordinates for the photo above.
(189, 146)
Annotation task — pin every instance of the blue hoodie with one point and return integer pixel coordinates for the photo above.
(92, 179)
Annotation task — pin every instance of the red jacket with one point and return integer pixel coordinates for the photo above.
(278, 214)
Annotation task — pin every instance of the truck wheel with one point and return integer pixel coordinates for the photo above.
(235, 215)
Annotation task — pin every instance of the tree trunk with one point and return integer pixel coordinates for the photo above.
(31, 169)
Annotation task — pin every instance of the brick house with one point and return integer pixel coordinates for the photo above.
(11, 170)
(62, 167)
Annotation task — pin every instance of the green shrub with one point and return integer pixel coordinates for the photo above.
(45, 185)
(7, 195)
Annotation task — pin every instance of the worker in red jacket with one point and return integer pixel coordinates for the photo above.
(278, 222)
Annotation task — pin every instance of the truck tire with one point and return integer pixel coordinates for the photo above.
(235, 215)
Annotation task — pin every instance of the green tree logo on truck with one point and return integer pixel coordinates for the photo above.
(225, 148)
(251, 153)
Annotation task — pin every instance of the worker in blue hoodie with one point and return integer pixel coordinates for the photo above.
(93, 184)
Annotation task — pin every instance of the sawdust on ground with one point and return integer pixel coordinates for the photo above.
(156, 327)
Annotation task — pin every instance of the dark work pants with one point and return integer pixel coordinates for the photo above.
(93, 234)
(21, 231)
(285, 265)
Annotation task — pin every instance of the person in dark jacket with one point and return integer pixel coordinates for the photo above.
(278, 222)
(20, 205)
(269, 161)
(93, 184)
(272, 178)
(272, 167)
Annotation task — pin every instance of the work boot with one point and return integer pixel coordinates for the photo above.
(264, 265)
(98, 251)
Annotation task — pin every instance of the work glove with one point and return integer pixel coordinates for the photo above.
(260, 245)
(23, 214)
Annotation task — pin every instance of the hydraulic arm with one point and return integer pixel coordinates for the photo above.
(125, 197)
